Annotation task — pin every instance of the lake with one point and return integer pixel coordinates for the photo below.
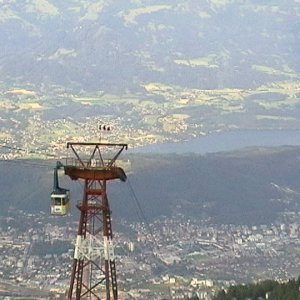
(227, 141)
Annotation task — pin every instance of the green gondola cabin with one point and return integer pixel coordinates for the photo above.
(60, 202)
(60, 197)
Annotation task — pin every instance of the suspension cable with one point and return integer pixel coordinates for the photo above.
(140, 209)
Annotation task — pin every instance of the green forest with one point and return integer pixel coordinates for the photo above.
(269, 289)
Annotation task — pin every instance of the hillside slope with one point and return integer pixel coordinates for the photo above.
(251, 186)
(121, 45)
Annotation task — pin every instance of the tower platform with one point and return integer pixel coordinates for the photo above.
(95, 173)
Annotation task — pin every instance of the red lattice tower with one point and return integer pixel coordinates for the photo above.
(94, 267)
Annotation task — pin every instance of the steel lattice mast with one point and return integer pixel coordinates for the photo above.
(94, 268)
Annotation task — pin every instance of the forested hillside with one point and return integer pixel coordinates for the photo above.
(249, 186)
(271, 290)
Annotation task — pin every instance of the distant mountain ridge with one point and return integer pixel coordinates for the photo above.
(122, 45)
(252, 186)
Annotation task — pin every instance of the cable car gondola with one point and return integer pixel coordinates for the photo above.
(60, 197)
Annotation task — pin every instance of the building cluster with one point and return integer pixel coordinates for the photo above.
(171, 258)
(44, 139)
(36, 133)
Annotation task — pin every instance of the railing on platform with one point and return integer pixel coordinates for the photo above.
(90, 204)
(92, 163)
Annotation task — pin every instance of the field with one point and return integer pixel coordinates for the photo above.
(162, 113)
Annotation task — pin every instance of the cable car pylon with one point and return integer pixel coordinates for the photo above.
(94, 268)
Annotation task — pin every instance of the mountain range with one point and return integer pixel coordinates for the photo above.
(120, 46)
